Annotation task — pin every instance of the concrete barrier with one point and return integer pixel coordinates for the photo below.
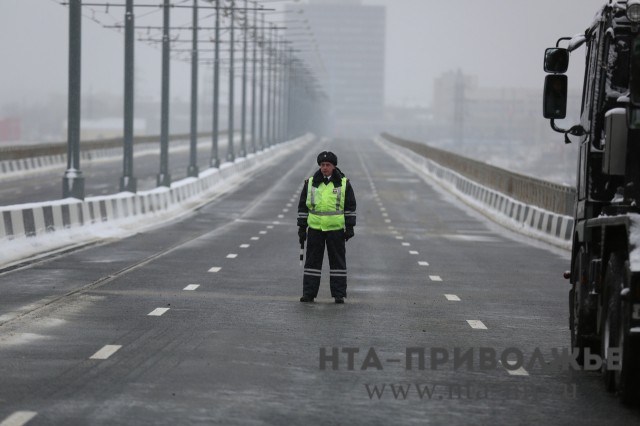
(534, 221)
(16, 161)
(29, 229)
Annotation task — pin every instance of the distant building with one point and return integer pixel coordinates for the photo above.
(351, 43)
(10, 129)
(466, 113)
(503, 126)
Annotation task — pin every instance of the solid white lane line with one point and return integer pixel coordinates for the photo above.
(191, 287)
(406, 244)
(157, 312)
(18, 418)
(423, 263)
(435, 278)
(262, 232)
(106, 352)
(244, 246)
(452, 297)
(232, 256)
(478, 325)
(255, 238)
(413, 252)
(215, 269)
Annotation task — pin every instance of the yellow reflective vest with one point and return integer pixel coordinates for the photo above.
(326, 205)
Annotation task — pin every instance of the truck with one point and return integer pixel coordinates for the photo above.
(604, 297)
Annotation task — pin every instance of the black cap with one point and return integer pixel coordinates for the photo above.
(328, 157)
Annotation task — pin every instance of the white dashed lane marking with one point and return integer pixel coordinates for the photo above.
(413, 252)
(19, 418)
(232, 256)
(262, 232)
(280, 216)
(158, 312)
(435, 278)
(452, 297)
(423, 263)
(399, 237)
(285, 210)
(215, 269)
(106, 352)
(244, 246)
(478, 325)
(191, 287)
(387, 221)
(271, 226)
(406, 244)
(255, 238)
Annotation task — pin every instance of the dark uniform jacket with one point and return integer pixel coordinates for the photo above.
(349, 200)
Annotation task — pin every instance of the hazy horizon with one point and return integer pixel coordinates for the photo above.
(500, 42)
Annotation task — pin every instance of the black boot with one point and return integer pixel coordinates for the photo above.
(306, 299)
(339, 299)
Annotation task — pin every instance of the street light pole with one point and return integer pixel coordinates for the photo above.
(230, 153)
(164, 178)
(73, 182)
(262, 66)
(243, 138)
(127, 181)
(254, 79)
(215, 159)
(192, 171)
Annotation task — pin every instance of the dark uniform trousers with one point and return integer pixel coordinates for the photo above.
(335, 243)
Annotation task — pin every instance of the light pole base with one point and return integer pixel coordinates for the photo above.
(128, 184)
(214, 162)
(164, 179)
(193, 171)
(73, 184)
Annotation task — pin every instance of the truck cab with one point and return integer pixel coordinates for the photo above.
(604, 298)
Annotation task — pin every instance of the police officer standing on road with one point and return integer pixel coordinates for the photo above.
(328, 207)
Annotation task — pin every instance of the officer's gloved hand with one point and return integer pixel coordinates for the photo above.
(348, 233)
(302, 234)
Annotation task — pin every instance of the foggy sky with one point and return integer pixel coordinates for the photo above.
(499, 41)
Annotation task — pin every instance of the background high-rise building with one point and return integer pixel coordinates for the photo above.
(348, 61)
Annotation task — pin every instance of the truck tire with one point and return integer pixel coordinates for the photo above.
(578, 313)
(625, 377)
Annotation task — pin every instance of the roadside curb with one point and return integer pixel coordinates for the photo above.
(553, 228)
(41, 227)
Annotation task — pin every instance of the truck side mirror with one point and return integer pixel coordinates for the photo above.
(556, 60)
(554, 104)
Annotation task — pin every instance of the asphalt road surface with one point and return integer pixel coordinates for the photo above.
(198, 322)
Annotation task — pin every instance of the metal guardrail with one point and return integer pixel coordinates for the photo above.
(537, 192)
(59, 148)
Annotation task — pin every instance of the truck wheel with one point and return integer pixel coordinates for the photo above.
(610, 325)
(624, 377)
(578, 318)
